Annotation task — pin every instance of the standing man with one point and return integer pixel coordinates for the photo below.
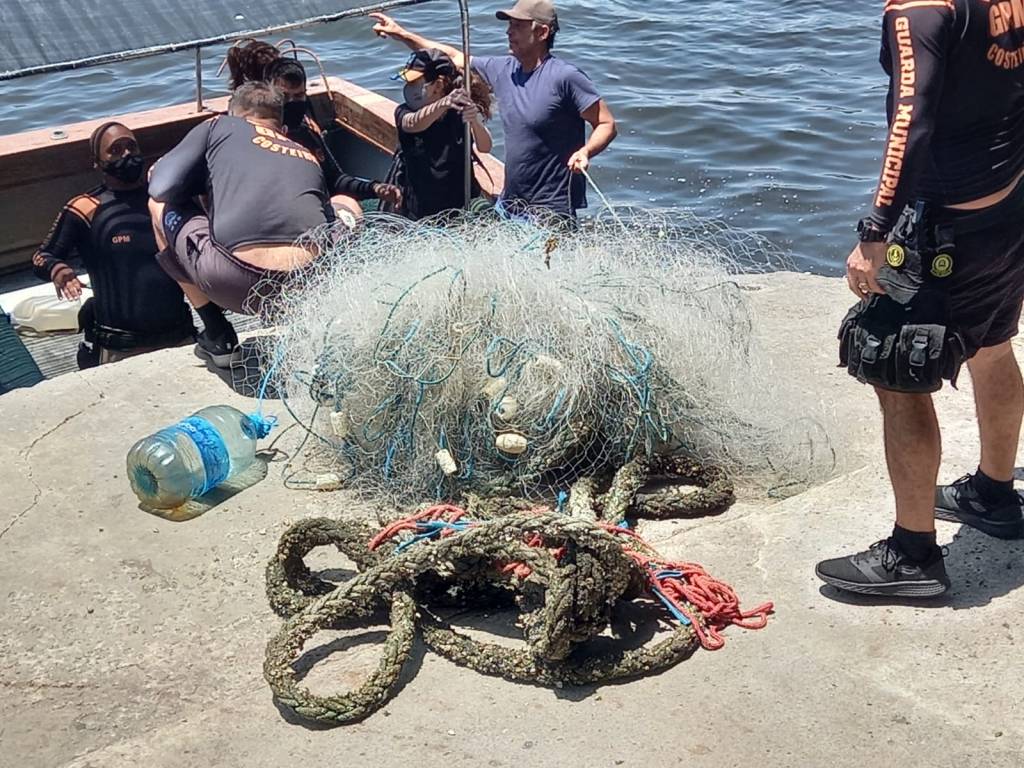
(136, 307)
(543, 101)
(940, 272)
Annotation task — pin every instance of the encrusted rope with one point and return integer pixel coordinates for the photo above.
(565, 572)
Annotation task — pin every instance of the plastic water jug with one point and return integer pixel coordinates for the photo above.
(48, 313)
(184, 461)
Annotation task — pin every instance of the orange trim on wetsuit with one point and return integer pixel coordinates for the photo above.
(111, 233)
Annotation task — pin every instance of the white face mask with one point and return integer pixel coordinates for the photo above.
(416, 94)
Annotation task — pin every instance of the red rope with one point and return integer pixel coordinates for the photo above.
(711, 605)
(717, 602)
(447, 512)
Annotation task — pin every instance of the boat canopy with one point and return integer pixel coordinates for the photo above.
(38, 36)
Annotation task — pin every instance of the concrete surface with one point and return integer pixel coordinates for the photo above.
(128, 640)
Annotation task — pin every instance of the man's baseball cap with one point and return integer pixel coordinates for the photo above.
(429, 63)
(541, 11)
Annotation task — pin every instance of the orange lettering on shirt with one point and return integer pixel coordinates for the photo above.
(895, 150)
(908, 67)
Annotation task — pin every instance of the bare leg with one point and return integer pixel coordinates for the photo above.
(195, 297)
(156, 211)
(913, 450)
(999, 399)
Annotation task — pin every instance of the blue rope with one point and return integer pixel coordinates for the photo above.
(670, 573)
(638, 382)
(563, 497)
(432, 529)
(262, 425)
(680, 616)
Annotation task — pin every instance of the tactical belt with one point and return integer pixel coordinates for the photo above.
(120, 340)
(903, 341)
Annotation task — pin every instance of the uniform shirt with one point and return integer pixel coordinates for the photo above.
(435, 165)
(112, 233)
(338, 182)
(540, 113)
(956, 102)
(261, 186)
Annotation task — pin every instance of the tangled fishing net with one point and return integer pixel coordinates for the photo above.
(495, 358)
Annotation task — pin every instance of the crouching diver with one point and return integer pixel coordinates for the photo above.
(136, 307)
(262, 192)
(940, 273)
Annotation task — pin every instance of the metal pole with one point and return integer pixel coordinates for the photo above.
(467, 82)
(199, 80)
(187, 45)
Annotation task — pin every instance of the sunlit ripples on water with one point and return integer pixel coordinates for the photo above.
(768, 113)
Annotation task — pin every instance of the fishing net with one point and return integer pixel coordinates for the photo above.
(475, 355)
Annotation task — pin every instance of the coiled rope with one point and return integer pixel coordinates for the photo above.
(565, 572)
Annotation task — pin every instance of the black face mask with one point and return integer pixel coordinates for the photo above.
(127, 169)
(294, 112)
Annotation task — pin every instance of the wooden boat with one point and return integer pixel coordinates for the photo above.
(41, 170)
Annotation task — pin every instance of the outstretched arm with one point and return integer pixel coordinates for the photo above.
(421, 119)
(50, 262)
(388, 27)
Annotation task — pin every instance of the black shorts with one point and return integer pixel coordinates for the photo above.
(986, 286)
(194, 257)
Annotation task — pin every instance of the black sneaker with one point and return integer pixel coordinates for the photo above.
(961, 503)
(885, 570)
(219, 351)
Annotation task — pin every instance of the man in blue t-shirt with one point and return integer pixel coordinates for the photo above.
(543, 101)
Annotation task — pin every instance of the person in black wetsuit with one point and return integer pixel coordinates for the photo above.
(136, 307)
(289, 77)
(945, 231)
(431, 133)
(263, 191)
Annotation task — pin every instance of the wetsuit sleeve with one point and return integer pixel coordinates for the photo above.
(338, 182)
(182, 174)
(916, 36)
(341, 183)
(580, 90)
(62, 242)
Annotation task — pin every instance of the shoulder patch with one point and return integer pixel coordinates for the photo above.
(84, 206)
